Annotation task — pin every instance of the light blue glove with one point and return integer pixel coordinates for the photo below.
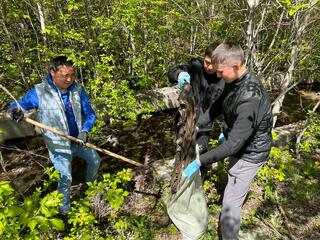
(220, 139)
(183, 77)
(192, 168)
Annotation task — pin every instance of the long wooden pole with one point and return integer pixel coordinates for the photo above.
(40, 125)
(29, 120)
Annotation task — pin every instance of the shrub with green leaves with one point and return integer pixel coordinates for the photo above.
(111, 192)
(120, 103)
(32, 218)
(311, 136)
(276, 166)
(36, 216)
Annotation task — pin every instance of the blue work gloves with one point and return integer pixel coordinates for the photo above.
(83, 136)
(183, 77)
(192, 168)
(221, 139)
(15, 114)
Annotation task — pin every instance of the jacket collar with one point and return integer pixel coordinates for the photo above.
(238, 82)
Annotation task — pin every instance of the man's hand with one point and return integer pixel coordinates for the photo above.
(15, 114)
(192, 168)
(83, 136)
(183, 77)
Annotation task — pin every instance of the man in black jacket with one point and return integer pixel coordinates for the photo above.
(206, 86)
(246, 110)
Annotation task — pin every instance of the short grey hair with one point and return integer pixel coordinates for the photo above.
(228, 53)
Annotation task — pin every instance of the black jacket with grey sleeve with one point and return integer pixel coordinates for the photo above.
(246, 109)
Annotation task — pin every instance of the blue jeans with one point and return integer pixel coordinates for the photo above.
(62, 163)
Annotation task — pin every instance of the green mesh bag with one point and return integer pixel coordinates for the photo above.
(187, 208)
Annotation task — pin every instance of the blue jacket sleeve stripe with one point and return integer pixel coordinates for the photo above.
(87, 111)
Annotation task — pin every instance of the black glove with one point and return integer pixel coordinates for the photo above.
(202, 142)
(16, 114)
(83, 136)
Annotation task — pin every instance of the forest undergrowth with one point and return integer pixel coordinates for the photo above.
(283, 202)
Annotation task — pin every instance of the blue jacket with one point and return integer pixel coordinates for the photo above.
(31, 101)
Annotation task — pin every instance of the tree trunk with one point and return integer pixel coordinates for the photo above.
(299, 27)
(42, 20)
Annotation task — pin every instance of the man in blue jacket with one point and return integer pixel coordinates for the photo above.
(62, 104)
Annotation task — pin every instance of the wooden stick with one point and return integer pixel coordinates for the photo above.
(40, 125)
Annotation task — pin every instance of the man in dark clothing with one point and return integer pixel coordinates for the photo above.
(246, 109)
(206, 86)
